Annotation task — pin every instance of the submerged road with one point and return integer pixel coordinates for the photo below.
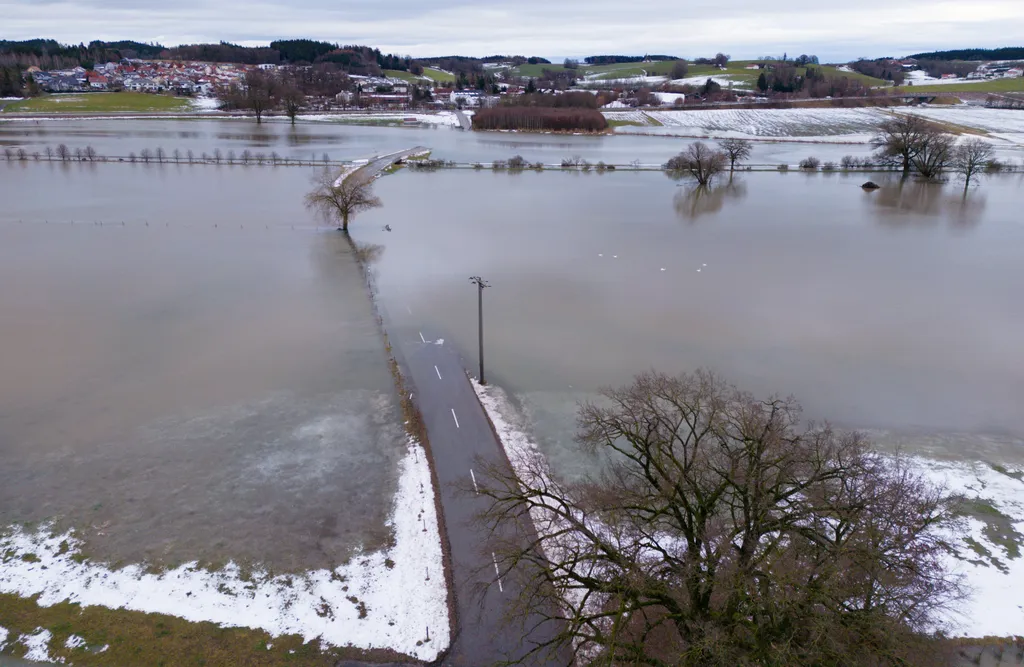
(460, 435)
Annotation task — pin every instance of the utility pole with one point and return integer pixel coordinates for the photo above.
(480, 285)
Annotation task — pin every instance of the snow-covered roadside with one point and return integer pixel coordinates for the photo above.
(996, 606)
(400, 591)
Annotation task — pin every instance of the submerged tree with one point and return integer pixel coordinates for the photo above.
(339, 200)
(737, 150)
(698, 161)
(293, 101)
(722, 532)
(971, 157)
(901, 138)
(934, 154)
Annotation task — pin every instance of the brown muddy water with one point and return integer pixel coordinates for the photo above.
(899, 312)
(199, 377)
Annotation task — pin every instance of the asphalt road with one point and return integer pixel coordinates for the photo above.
(464, 121)
(460, 435)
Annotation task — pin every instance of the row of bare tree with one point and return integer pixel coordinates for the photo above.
(159, 155)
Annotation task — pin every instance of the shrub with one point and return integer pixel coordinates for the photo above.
(994, 166)
(829, 166)
(810, 163)
(849, 162)
(783, 167)
(539, 166)
(516, 162)
(499, 164)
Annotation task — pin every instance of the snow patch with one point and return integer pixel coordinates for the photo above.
(38, 646)
(205, 104)
(3, 637)
(74, 641)
(400, 601)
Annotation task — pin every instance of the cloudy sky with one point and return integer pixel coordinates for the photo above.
(554, 28)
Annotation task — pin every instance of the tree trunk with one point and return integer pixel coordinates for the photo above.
(344, 222)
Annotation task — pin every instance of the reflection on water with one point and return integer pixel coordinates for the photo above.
(201, 381)
(699, 200)
(914, 201)
(800, 285)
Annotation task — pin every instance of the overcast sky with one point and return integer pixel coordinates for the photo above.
(553, 28)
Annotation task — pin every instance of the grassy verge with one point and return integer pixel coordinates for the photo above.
(404, 76)
(99, 103)
(438, 76)
(135, 638)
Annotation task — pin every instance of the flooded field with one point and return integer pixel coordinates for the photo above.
(191, 370)
(896, 311)
(311, 139)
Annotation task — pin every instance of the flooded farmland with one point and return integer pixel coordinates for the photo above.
(191, 369)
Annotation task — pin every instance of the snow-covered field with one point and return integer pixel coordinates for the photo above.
(921, 78)
(724, 80)
(837, 125)
(982, 118)
(401, 600)
(993, 567)
(205, 103)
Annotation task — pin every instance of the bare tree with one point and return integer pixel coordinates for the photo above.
(900, 139)
(737, 150)
(339, 201)
(216, 155)
(160, 155)
(49, 153)
(89, 153)
(63, 152)
(8, 153)
(131, 157)
(722, 532)
(145, 155)
(78, 154)
(698, 161)
(259, 94)
(22, 154)
(191, 156)
(231, 157)
(326, 158)
(177, 155)
(971, 157)
(934, 153)
(274, 158)
(246, 156)
(293, 101)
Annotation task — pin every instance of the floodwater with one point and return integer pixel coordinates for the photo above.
(311, 139)
(200, 376)
(896, 311)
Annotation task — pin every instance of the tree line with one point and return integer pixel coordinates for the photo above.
(563, 119)
(1005, 53)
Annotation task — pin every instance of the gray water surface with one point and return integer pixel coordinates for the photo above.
(199, 377)
(897, 311)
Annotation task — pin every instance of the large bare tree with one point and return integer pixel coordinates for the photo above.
(737, 150)
(340, 200)
(971, 157)
(900, 139)
(934, 153)
(259, 93)
(699, 161)
(293, 101)
(722, 532)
